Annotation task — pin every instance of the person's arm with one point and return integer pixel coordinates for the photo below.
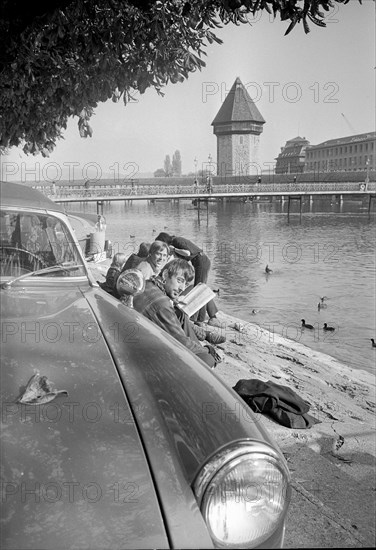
(169, 322)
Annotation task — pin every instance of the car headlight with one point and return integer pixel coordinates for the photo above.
(243, 492)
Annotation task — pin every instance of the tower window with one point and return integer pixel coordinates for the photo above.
(241, 140)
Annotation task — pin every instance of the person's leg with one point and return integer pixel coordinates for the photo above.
(201, 265)
(186, 325)
(212, 309)
(202, 268)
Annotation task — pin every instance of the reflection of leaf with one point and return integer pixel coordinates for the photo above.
(39, 390)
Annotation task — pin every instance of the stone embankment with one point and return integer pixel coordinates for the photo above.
(332, 464)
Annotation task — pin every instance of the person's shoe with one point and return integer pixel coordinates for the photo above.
(214, 322)
(200, 332)
(215, 338)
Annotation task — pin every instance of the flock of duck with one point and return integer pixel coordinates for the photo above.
(320, 305)
(326, 327)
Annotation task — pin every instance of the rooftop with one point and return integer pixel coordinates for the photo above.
(346, 140)
(238, 107)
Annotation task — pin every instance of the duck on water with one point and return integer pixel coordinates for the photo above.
(305, 325)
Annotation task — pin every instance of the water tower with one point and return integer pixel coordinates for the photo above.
(238, 126)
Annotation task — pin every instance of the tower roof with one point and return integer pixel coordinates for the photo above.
(238, 107)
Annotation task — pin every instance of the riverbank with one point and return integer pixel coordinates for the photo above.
(333, 463)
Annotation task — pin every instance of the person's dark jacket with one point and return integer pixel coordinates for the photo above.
(132, 262)
(154, 304)
(110, 284)
(186, 244)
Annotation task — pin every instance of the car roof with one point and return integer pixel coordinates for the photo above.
(13, 194)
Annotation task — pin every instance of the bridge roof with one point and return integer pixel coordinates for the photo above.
(238, 107)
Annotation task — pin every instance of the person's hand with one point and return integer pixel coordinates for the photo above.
(217, 358)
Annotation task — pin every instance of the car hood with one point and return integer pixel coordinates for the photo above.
(74, 471)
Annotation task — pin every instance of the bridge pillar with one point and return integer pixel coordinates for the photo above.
(294, 198)
(369, 204)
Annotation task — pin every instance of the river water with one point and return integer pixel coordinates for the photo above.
(328, 251)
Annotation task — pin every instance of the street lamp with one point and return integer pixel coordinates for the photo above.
(367, 173)
(195, 163)
(209, 164)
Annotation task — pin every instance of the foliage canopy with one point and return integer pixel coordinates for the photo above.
(60, 58)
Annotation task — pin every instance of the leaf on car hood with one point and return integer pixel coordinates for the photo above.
(39, 390)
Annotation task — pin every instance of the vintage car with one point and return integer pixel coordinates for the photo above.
(114, 435)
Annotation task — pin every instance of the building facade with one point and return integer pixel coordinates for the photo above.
(291, 159)
(238, 126)
(346, 154)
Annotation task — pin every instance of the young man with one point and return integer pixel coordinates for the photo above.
(157, 304)
(201, 264)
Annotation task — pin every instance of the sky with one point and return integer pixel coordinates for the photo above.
(320, 86)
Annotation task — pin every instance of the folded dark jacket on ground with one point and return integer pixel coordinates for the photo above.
(281, 403)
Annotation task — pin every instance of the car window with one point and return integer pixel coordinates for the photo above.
(32, 241)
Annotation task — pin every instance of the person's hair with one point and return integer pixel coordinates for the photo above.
(143, 250)
(158, 246)
(175, 266)
(118, 260)
(165, 237)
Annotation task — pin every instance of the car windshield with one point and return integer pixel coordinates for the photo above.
(31, 242)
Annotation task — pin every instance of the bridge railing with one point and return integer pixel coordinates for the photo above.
(128, 191)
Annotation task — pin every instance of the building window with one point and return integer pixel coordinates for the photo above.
(345, 149)
(241, 140)
(350, 149)
(355, 148)
(366, 146)
(360, 148)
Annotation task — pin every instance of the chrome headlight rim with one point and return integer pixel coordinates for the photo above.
(227, 459)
